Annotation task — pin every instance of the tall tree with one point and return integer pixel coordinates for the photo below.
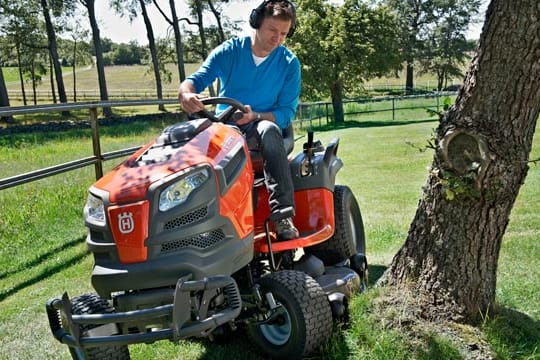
(217, 15)
(174, 22)
(449, 259)
(197, 10)
(132, 9)
(23, 31)
(100, 64)
(53, 51)
(353, 42)
(79, 51)
(4, 97)
(446, 49)
(418, 18)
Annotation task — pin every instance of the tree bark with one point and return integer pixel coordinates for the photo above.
(4, 98)
(482, 150)
(337, 102)
(153, 53)
(409, 79)
(53, 52)
(100, 64)
(173, 21)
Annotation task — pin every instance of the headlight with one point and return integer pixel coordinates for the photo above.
(94, 210)
(178, 192)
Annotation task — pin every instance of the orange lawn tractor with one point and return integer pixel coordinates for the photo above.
(184, 247)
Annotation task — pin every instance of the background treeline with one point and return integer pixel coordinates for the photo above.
(340, 46)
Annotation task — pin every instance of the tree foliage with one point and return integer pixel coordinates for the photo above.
(432, 32)
(341, 46)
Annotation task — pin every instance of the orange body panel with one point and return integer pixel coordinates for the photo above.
(238, 202)
(129, 225)
(128, 184)
(314, 219)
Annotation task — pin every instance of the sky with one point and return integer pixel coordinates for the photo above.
(120, 30)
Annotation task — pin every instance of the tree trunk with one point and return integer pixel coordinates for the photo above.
(4, 98)
(409, 79)
(483, 142)
(337, 103)
(21, 76)
(153, 53)
(53, 52)
(202, 35)
(173, 21)
(100, 64)
(217, 16)
(51, 80)
(73, 70)
(178, 42)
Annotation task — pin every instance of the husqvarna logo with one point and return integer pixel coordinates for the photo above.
(125, 222)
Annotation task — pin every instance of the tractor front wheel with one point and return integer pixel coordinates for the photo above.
(93, 304)
(301, 318)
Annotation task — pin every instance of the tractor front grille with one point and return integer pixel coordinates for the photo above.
(200, 241)
(186, 219)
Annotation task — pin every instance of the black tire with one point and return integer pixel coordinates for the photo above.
(93, 304)
(306, 321)
(349, 238)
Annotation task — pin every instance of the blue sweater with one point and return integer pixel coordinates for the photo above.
(273, 86)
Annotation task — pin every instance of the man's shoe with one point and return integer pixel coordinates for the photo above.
(285, 229)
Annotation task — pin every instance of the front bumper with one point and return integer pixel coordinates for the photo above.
(67, 327)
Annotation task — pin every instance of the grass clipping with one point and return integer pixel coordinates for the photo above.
(397, 309)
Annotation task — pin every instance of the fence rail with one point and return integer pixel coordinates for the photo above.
(308, 113)
(98, 157)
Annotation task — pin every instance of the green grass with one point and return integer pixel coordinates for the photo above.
(42, 250)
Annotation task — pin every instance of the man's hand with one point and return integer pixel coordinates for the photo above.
(191, 102)
(248, 117)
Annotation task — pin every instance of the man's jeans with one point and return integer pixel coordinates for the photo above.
(266, 137)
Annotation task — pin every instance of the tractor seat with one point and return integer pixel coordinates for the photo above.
(256, 156)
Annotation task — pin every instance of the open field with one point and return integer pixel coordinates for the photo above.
(42, 250)
(137, 80)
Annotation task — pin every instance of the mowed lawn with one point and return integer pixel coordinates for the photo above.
(43, 254)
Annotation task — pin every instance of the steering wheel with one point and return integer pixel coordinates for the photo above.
(228, 115)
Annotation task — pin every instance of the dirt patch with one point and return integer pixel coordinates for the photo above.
(399, 310)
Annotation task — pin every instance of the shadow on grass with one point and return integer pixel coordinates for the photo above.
(40, 259)
(375, 272)
(47, 272)
(513, 335)
(236, 346)
(68, 130)
(368, 124)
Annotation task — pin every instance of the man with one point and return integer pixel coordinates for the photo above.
(260, 72)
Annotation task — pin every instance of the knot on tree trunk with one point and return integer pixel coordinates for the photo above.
(464, 159)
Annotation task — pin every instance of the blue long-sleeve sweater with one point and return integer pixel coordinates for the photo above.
(273, 86)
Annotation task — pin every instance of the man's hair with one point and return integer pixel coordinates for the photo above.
(279, 9)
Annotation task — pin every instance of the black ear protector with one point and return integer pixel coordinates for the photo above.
(257, 15)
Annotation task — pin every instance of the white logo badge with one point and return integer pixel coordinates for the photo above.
(125, 222)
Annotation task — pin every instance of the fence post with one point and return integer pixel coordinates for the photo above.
(95, 142)
(393, 109)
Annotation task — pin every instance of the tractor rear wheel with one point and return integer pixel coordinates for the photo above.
(93, 304)
(349, 238)
(302, 320)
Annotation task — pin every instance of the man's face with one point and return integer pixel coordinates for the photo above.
(272, 33)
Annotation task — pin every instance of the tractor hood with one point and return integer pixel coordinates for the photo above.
(178, 148)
